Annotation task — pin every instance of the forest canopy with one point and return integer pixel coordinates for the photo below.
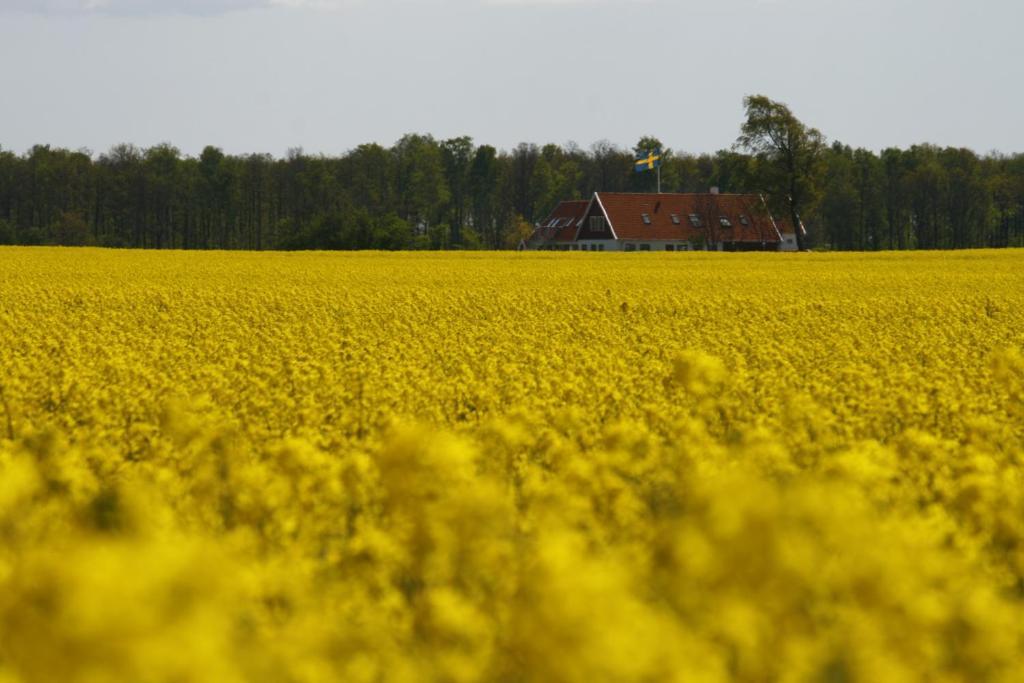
(427, 193)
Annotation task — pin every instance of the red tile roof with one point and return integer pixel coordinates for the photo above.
(721, 217)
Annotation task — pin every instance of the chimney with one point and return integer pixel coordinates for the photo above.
(714, 189)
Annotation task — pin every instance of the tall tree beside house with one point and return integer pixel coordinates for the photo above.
(789, 155)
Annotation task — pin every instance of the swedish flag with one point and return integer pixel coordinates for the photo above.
(648, 162)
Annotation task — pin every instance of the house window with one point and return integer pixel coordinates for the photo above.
(630, 247)
(670, 247)
(646, 218)
(675, 219)
(600, 247)
(597, 224)
(725, 222)
(645, 247)
(744, 220)
(695, 220)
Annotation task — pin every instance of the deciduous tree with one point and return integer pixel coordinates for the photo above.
(789, 155)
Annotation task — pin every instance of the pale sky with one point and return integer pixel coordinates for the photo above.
(327, 75)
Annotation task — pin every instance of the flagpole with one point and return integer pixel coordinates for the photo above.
(659, 178)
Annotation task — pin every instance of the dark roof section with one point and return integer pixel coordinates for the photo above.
(626, 210)
(786, 226)
(560, 224)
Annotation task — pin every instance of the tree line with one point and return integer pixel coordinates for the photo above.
(426, 193)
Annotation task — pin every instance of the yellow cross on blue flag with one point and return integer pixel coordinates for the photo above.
(648, 161)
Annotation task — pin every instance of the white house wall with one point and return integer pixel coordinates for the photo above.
(617, 245)
(788, 242)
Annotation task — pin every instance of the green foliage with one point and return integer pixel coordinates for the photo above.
(646, 145)
(7, 234)
(71, 230)
(789, 155)
(454, 194)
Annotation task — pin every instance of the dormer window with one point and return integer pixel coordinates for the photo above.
(725, 222)
(675, 219)
(646, 218)
(744, 220)
(695, 220)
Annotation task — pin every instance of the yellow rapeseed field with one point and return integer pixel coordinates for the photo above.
(546, 467)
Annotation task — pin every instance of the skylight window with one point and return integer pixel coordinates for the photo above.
(744, 220)
(646, 217)
(725, 222)
(694, 220)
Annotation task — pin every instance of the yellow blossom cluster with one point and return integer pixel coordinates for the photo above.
(526, 467)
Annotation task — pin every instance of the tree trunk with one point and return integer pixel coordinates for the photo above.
(801, 242)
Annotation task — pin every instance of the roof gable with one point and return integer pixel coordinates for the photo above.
(560, 224)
